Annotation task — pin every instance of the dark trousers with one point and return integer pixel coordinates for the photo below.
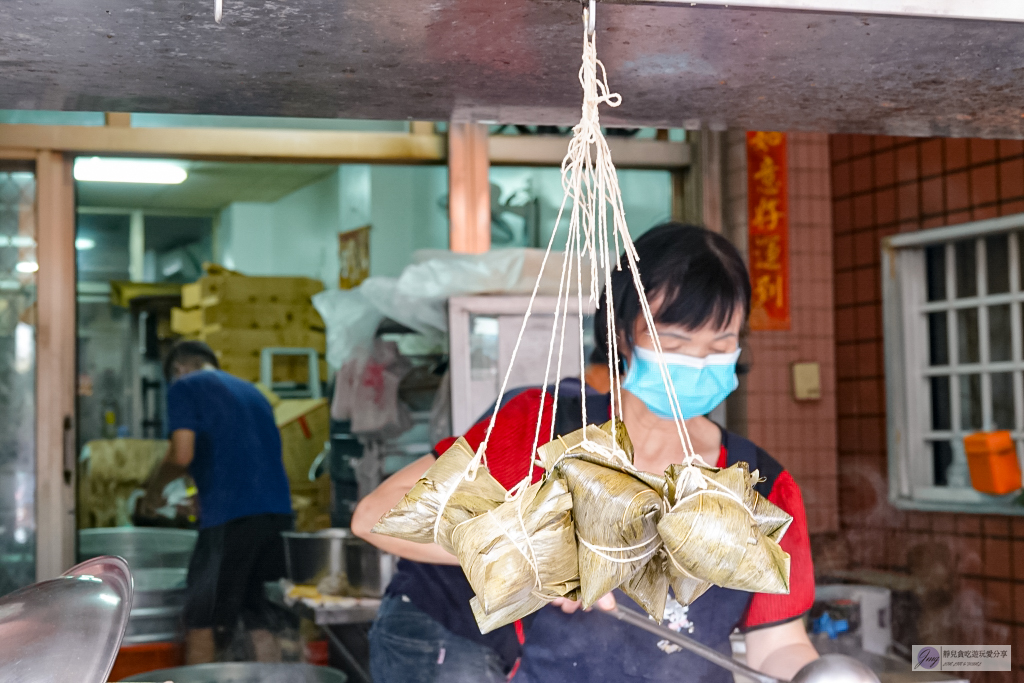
(408, 646)
(229, 566)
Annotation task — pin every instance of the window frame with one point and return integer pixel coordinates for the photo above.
(905, 309)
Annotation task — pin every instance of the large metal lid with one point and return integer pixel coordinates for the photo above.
(68, 629)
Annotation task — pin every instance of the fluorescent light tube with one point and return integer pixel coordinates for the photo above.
(84, 243)
(26, 267)
(101, 170)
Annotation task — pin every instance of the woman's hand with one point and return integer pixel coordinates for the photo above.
(605, 602)
(380, 501)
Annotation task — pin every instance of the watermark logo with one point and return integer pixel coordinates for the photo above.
(927, 658)
(960, 657)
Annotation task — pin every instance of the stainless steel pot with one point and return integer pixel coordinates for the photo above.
(157, 606)
(244, 672)
(312, 556)
(68, 629)
(142, 547)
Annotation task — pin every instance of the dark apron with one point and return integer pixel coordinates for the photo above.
(594, 647)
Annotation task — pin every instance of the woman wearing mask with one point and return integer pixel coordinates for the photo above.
(699, 291)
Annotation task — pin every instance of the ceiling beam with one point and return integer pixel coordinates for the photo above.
(544, 150)
(986, 10)
(318, 146)
(250, 144)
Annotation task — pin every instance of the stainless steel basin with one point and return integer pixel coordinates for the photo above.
(244, 672)
(156, 609)
(142, 547)
(313, 556)
(68, 629)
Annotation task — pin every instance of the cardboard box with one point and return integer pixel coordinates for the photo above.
(211, 290)
(270, 316)
(109, 472)
(252, 342)
(286, 368)
(305, 425)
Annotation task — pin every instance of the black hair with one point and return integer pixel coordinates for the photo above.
(699, 275)
(188, 351)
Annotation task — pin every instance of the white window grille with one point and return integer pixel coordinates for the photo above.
(953, 361)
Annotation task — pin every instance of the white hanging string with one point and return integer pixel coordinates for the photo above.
(589, 180)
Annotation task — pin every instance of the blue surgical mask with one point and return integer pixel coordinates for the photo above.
(700, 383)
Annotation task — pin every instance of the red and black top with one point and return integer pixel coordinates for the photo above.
(508, 461)
(443, 592)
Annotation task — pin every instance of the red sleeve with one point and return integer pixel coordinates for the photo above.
(766, 609)
(508, 451)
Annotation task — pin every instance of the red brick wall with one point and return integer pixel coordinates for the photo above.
(883, 185)
(800, 434)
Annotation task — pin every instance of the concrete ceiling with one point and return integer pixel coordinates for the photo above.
(210, 186)
(516, 61)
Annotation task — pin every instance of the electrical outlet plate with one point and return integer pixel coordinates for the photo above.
(806, 381)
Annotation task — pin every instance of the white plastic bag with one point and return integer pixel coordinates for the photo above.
(351, 321)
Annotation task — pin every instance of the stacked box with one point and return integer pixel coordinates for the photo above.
(109, 472)
(239, 316)
(305, 426)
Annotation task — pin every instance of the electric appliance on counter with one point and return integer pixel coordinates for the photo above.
(849, 615)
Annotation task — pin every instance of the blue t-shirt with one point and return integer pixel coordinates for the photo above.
(237, 464)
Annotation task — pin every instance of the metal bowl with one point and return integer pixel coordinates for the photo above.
(68, 629)
(142, 547)
(156, 609)
(244, 672)
(310, 557)
(835, 669)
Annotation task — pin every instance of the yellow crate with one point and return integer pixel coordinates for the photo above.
(305, 426)
(268, 316)
(232, 288)
(252, 342)
(286, 368)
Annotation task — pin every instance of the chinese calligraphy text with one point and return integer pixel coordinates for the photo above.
(768, 230)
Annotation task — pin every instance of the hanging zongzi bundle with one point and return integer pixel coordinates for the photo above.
(442, 499)
(615, 511)
(711, 534)
(524, 547)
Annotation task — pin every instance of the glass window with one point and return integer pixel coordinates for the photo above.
(966, 269)
(940, 404)
(997, 264)
(1002, 401)
(970, 402)
(967, 335)
(1000, 338)
(938, 338)
(935, 265)
(18, 267)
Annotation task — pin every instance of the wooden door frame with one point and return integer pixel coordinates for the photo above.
(56, 375)
(53, 149)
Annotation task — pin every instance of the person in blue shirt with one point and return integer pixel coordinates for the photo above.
(222, 431)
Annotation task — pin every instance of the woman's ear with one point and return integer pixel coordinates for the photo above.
(625, 352)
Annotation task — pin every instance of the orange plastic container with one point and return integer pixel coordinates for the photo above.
(137, 659)
(318, 652)
(992, 459)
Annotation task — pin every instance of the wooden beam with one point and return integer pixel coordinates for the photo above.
(469, 188)
(711, 179)
(316, 146)
(55, 366)
(118, 119)
(543, 150)
(251, 144)
(422, 128)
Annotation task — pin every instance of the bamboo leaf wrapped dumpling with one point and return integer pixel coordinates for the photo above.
(615, 511)
(712, 535)
(523, 548)
(442, 499)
